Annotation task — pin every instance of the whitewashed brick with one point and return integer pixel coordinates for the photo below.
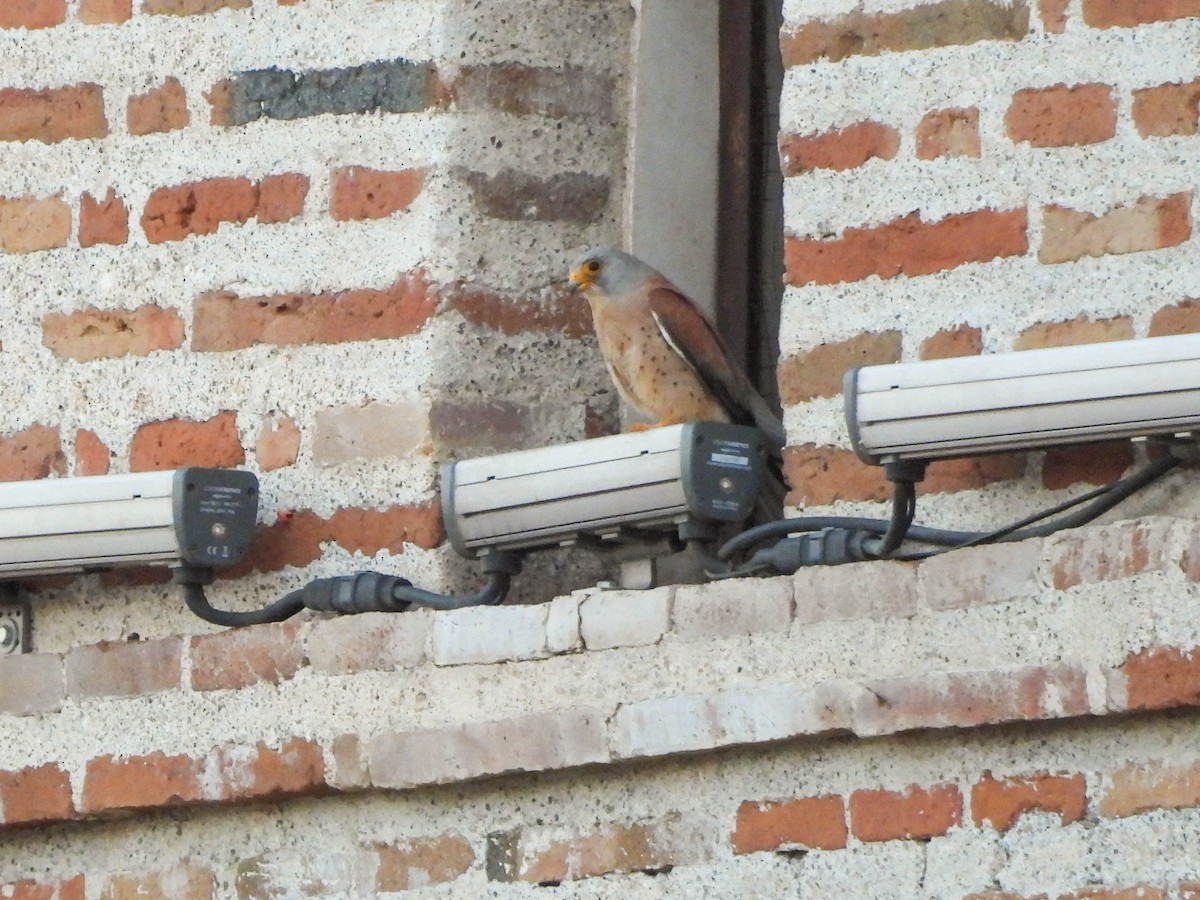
(704, 721)
(625, 618)
(870, 590)
(532, 743)
(368, 641)
(732, 608)
(489, 634)
(562, 625)
(975, 575)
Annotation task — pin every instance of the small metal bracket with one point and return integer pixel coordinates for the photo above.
(16, 621)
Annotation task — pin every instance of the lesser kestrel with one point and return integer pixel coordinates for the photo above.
(664, 356)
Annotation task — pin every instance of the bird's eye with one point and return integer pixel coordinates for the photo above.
(593, 265)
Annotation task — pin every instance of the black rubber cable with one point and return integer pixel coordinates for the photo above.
(1098, 502)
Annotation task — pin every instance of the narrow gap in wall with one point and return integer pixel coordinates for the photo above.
(765, 306)
(750, 255)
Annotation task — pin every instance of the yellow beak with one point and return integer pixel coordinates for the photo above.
(580, 280)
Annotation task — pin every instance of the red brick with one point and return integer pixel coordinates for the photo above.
(817, 823)
(281, 197)
(516, 196)
(1109, 553)
(28, 889)
(1000, 802)
(123, 668)
(819, 372)
(296, 539)
(970, 699)
(530, 857)
(1141, 892)
(141, 782)
(186, 881)
(278, 445)
(907, 246)
(471, 424)
(1076, 331)
(223, 321)
(949, 132)
(1141, 787)
(600, 418)
(28, 225)
(841, 149)
(518, 90)
(945, 476)
(35, 452)
(1096, 464)
(1062, 116)
(160, 109)
(91, 333)
(242, 657)
(103, 221)
(1168, 109)
(92, 457)
(36, 794)
(1180, 318)
(819, 476)
(178, 443)
(1054, 15)
(1161, 678)
(948, 23)
(190, 7)
(199, 208)
(105, 12)
(422, 861)
(568, 314)
(32, 13)
(1127, 13)
(296, 768)
(1151, 223)
(916, 812)
(1189, 561)
(962, 340)
(361, 193)
(52, 115)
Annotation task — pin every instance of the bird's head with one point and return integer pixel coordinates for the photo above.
(611, 271)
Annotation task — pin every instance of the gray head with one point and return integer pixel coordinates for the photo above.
(612, 271)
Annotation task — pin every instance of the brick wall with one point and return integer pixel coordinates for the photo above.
(318, 239)
(974, 176)
(822, 734)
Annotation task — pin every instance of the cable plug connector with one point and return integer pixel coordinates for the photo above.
(357, 593)
(827, 547)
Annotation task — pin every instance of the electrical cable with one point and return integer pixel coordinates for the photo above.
(348, 594)
(829, 540)
(194, 579)
(904, 510)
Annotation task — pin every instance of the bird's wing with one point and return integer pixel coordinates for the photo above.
(691, 336)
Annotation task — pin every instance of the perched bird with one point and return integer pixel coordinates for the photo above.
(664, 356)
